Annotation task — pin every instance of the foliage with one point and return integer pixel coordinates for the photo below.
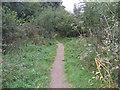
(45, 21)
(41, 22)
(53, 5)
(27, 55)
(27, 9)
(66, 24)
(9, 24)
(100, 19)
(28, 66)
(56, 22)
(79, 65)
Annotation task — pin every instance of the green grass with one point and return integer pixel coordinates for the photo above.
(76, 68)
(28, 66)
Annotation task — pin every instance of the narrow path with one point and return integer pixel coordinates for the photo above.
(57, 73)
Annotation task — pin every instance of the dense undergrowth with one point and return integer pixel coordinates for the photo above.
(80, 65)
(79, 74)
(28, 65)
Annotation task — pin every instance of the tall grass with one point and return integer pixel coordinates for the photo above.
(79, 63)
(28, 66)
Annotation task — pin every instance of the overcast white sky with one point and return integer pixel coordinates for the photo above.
(69, 4)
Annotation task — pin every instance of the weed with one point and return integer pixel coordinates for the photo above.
(77, 59)
(29, 66)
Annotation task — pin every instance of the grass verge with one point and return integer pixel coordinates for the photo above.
(78, 67)
(28, 66)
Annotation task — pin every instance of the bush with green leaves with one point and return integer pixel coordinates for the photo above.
(9, 24)
(101, 21)
(57, 21)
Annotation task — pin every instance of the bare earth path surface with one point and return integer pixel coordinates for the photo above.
(57, 74)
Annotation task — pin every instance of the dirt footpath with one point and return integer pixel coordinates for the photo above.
(58, 79)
